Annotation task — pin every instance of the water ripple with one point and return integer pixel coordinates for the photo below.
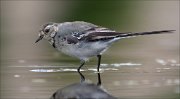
(121, 64)
(70, 70)
(170, 62)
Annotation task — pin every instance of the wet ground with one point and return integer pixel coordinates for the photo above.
(127, 80)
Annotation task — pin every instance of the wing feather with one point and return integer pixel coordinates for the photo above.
(106, 35)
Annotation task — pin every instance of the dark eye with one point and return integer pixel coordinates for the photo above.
(46, 30)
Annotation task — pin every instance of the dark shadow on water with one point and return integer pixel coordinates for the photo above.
(83, 90)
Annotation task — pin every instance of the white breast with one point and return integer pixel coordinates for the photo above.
(84, 50)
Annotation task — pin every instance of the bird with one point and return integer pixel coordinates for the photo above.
(84, 40)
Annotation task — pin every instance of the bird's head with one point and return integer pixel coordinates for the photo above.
(47, 31)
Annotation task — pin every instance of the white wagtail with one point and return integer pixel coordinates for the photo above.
(84, 40)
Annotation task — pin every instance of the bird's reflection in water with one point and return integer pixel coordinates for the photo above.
(84, 90)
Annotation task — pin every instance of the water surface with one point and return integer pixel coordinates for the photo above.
(123, 80)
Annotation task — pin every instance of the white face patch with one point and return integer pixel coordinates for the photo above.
(49, 26)
(55, 31)
(53, 34)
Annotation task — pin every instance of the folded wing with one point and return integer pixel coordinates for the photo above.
(106, 34)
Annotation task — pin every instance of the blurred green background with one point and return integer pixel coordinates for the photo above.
(21, 21)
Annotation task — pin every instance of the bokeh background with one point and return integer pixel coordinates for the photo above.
(142, 67)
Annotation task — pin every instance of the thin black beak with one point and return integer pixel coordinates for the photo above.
(40, 38)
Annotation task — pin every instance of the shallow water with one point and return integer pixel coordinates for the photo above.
(123, 80)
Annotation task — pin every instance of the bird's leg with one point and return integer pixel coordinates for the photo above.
(99, 76)
(82, 77)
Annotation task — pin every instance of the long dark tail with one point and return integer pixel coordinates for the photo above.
(129, 34)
